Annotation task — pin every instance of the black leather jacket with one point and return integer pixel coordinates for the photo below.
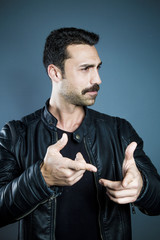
(24, 195)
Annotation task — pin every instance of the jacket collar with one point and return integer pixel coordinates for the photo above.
(51, 123)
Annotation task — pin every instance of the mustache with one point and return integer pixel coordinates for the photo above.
(94, 88)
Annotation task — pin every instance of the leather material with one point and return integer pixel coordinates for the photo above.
(24, 195)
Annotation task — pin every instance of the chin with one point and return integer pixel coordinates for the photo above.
(89, 103)
(84, 102)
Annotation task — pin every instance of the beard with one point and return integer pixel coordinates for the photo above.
(82, 99)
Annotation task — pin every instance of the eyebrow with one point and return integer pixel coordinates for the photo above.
(90, 65)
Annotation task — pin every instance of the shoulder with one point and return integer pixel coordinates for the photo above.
(115, 125)
(107, 119)
(13, 130)
(32, 118)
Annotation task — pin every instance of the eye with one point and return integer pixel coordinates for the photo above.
(99, 67)
(85, 69)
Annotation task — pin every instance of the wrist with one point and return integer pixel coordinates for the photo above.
(143, 185)
(44, 174)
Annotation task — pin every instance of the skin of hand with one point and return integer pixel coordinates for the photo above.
(61, 171)
(127, 190)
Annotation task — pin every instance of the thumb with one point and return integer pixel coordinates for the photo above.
(79, 157)
(61, 143)
(128, 164)
(129, 153)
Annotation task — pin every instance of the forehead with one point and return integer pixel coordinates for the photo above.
(83, 53)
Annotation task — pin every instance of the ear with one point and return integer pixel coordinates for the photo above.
(54, 73)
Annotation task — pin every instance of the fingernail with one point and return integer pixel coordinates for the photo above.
(100, 181)
(63, 136)
(95, 169)
(77, 156)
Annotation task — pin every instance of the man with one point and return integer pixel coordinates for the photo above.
(68, 172)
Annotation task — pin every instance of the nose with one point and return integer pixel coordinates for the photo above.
(96, 78)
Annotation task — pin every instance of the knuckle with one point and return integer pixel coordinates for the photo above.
(49, 149)
(69, 182)
(77, 167)
(70, 179)
(136, 192)
(133, 199)
(68, 175)
(119, 201)
(136, 184)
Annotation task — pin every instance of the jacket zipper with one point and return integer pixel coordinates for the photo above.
(53, 215)
(133, 208)
(32, 210)
(85, 144)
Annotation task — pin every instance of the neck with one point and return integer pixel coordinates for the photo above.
(69, 116)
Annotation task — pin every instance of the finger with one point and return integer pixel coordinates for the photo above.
(68, 177)
(78, 165)
(75, 177)
(115, 185)
(88, 167)
(79, 157)
(128, 179)
(130, 150)
(123, 200)
(132, 192)
(61, 143)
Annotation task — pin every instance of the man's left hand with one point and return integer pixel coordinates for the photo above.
(127, 190)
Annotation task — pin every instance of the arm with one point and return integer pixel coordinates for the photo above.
(61, 171)
(136, 164)
(20, 191)
(127, 190)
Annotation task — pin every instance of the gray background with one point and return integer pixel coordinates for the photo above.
(130, 51)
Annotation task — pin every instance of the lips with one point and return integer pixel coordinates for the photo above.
(94, 88)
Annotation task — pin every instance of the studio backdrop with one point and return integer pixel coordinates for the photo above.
(130, 51)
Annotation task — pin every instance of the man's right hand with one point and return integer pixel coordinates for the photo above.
(61, 171)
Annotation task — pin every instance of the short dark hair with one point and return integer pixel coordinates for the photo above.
(56, 44)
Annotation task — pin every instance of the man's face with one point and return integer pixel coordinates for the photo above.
(80, 83)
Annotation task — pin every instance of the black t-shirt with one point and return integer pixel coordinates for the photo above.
(77, 207)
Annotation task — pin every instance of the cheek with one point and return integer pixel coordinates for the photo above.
(76, 81)
(78, 84)
(71, 87)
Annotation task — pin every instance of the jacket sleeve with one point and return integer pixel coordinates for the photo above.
(149, 199)
(20, 192)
